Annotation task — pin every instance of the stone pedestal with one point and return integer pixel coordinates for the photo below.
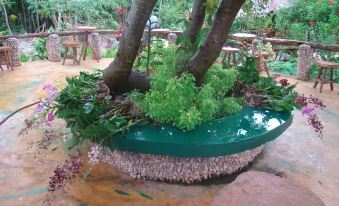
(14, 53)
(95, 43)
(172, 38)
(304, 62)
(53, 45)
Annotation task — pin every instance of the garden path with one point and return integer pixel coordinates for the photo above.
(297, 155)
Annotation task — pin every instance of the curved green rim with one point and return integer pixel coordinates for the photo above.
(243, 131)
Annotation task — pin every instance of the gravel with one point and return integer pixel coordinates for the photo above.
(175, 169)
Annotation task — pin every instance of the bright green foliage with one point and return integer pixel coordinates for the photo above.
(276, 97)
(110, 53)
(229, 106)
(24, 58)
(170, 98)
(159, 55)
(179, 101)
(189, 119)
(40, 50)
(248, 72)
(208, 105)
(221, 80)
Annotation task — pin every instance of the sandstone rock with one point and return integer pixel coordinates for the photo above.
(263, 189)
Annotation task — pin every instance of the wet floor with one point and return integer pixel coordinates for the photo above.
(298, 154)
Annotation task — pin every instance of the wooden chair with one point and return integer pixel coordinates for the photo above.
(5, 58)
(71, 45)
(261, 58)
(323, 66)
(230, 52)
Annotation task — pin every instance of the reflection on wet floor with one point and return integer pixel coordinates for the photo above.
(297, 155)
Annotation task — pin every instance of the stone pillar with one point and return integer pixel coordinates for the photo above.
(172, 38)
(95, 43)
(13, 43)
(53, 45)
(304, 62)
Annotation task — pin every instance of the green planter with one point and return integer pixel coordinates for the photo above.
(246, 130)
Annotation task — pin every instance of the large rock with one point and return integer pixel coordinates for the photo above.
(263, 189)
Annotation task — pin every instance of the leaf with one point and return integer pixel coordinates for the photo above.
(70, 143)
(88, 107)
(120, 192)
(145, 196)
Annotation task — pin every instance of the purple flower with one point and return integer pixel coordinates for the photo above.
(307, 110)
(316, 101)
(301, 100)
(66, 173)
(51, 91)
(50, 117)
(39, 108)
(313, 120)
(93, 155)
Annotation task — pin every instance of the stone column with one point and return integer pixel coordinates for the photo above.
(53, 45)
(13, 43)
(95, 43)
(304, 62)
(172, 38)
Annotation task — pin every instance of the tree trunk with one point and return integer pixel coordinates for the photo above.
(6, 17)
(119, 70)
(216, 37)
(196, 20)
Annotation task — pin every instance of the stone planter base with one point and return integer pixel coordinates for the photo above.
(175, 169)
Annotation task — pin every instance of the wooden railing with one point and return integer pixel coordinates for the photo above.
(273, 41)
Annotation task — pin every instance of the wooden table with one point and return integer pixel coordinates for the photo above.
(244, 37)
(87, 30)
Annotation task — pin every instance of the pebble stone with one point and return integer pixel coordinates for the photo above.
(175, 169)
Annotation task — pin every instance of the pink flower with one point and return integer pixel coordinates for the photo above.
(51, 91)
(307, 110)
(39, 108)
(50, 117)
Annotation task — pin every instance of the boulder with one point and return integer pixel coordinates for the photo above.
(263, 189)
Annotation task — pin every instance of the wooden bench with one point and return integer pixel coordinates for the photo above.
(71, 45)
(323, 66)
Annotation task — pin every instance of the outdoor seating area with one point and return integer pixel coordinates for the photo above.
(230, 102)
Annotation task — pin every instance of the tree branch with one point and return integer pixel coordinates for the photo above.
(216, 37)
(196, 20)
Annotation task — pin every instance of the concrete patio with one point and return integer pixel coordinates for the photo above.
(298, 155)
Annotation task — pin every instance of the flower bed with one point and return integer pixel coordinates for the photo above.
(218, 147)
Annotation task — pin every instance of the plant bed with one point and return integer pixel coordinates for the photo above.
(218, 147)
(243, 131)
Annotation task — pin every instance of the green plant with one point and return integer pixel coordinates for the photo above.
(276, 97)
(221, 80)
(40, 50)
(179, 101)
(229, 106)
(89, 111)
(110, 53)
(248, 72)
(24, 58)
